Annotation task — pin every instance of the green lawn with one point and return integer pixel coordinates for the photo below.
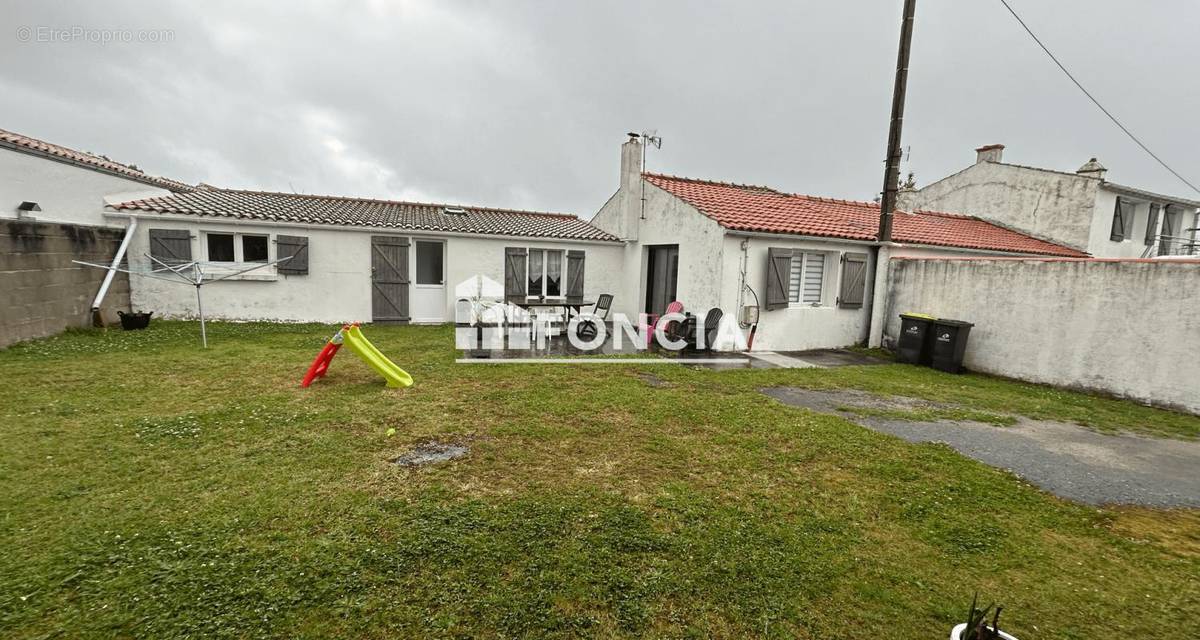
(149, 488)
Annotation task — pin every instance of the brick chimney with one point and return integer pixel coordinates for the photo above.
(1092, 169)
(989, 153)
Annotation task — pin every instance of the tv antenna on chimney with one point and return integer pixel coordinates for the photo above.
(649, 137)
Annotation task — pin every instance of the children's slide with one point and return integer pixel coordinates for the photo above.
(358, 343)
(352, 337)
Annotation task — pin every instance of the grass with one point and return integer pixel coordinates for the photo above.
(148, 488)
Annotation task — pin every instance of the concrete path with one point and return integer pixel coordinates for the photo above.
(1065, 459)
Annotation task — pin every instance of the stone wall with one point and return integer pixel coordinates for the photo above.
(1130, 328)
(41, 291)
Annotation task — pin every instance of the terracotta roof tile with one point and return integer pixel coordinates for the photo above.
(337, 210)
(756, 208)
(91, 161)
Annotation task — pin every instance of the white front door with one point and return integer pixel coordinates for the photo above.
(428, 300)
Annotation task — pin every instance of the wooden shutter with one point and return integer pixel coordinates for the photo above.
(779, 268)
(1152, 224)
(297, 248)
(514, 273)
(1122, 225)
(172, 246)
(575, 275)
(854, 280)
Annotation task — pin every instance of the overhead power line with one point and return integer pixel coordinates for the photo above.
(1095, 101)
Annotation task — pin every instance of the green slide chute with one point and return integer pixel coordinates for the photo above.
(358, 343)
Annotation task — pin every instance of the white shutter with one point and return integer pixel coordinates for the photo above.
(808, 278)
(814, 277)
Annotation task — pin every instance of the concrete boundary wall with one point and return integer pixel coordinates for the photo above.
(41, 291)
(1130, 328)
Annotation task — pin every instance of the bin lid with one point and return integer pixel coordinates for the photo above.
(955, 323)
(918, 316)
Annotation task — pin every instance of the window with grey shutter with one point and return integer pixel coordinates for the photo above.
(779, 270)
(296, 249)
(575, 270)
(854, 280)
(514, 274)
(170, 246)
(1122, 226)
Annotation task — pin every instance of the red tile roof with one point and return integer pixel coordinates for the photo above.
(365, 212)
(754, 208)
(33, 146)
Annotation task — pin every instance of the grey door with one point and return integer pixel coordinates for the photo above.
(389, 279)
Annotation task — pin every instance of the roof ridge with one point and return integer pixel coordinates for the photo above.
(667, 176)
(555, 214)
(873, 205)
(62, 153)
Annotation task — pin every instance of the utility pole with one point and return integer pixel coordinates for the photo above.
(881, 253)
(891, 175)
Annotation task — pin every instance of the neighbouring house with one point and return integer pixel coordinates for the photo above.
(52, 197)
(1082, 210)
(806, 262)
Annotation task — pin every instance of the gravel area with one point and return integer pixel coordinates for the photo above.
(1065, 459)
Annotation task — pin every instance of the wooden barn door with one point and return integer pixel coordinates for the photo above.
(389, 279)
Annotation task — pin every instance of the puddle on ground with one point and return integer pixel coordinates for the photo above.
(430, 453)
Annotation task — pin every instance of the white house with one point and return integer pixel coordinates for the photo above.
(1082, 210)
(806, 262)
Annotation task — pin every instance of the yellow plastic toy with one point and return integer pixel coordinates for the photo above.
(351, 335)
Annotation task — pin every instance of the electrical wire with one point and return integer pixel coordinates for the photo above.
(1095, 101)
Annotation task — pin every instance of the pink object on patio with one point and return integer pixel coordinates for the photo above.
(652, 318)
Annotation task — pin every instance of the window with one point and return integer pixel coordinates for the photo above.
(429, 263)
(1152, 224)
(807, 282)
(220, 247)
(1122, 226)
(254, 248)
(545, 273)
(236, 247)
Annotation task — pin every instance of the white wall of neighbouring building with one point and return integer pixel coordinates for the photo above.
(337, 287)
(65, 192)
(1123, 327)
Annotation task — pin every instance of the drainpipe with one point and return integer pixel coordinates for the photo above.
(116, 262)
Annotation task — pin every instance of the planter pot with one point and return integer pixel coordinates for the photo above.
(956, 632)
(133, 321)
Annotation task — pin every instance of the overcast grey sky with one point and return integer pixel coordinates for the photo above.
(524, 104)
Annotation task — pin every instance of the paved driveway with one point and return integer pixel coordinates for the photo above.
(1064, 459)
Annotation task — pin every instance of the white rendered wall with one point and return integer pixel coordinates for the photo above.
(798, 327)
(1128, 328)
(65, 192)
(337, 287)
(1046, 204)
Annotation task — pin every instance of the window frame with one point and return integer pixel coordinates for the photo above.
(233, 241)
(563, 278)
(240, 243)
(416, 279)
(238, 249)
(804, 255)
